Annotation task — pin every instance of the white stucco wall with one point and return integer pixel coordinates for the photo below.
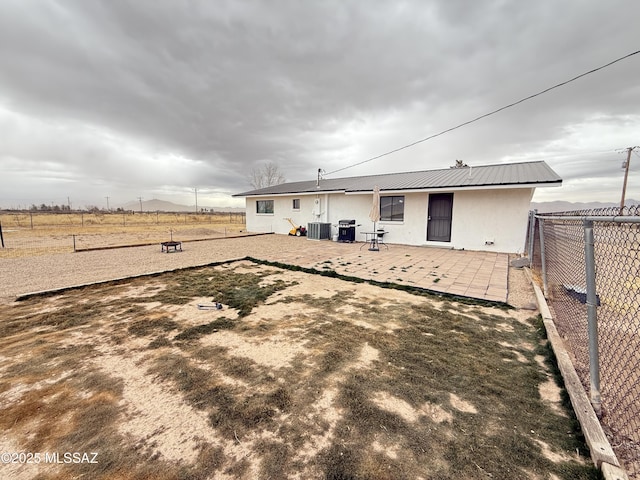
(282, 208)
(479, 216)
(500, 216)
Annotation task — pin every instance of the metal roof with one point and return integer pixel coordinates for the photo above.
(505, 174)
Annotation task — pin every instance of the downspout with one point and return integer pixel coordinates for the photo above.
(326, 208)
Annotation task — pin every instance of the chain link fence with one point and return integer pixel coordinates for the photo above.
(35, 233)
(588, 262)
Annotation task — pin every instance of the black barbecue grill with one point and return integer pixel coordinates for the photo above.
(347, 231)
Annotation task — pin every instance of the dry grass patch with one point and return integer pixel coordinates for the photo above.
(298, 376)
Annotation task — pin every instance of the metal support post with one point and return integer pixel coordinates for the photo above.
(543, 257)
(592, 317)
(1, 237)
(532, 229)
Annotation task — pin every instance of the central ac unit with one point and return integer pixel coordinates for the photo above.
(319, 231)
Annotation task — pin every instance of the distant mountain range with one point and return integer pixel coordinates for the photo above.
(164, 206)
(562, 206)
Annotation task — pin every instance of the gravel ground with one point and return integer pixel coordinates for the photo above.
(19, 276)
(46, 272)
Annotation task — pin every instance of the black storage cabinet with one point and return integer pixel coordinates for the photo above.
(347, 231)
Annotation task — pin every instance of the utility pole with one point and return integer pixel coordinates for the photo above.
(140, 200)
(107, 203)
(626, 175)
(196, 190)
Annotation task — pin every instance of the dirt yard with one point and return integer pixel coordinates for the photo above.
(296, 376)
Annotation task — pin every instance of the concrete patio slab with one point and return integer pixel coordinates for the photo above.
(481, 275)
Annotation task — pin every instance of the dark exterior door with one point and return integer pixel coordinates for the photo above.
(439, 220)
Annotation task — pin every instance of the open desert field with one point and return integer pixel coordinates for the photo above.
(295, 376)
(28, 234)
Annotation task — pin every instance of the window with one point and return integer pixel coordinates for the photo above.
(392, 209)
(264, 206)
(296, 204)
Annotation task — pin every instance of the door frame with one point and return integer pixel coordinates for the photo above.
(449, 217)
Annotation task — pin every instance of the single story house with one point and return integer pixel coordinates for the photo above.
(472, 208)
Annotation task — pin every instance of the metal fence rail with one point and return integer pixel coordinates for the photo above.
(39, 220)
(589, 264)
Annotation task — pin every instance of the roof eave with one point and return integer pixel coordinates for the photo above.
(282, 194)
(494, 186)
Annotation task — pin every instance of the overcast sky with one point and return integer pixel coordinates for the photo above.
(153, 98)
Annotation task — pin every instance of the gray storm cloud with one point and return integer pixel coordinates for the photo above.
(155, 97)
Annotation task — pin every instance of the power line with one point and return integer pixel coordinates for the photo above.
(488, 114)
(567, 155)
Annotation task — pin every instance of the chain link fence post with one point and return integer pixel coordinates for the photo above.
(532, 229)
(542, 256)
(592, 317)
